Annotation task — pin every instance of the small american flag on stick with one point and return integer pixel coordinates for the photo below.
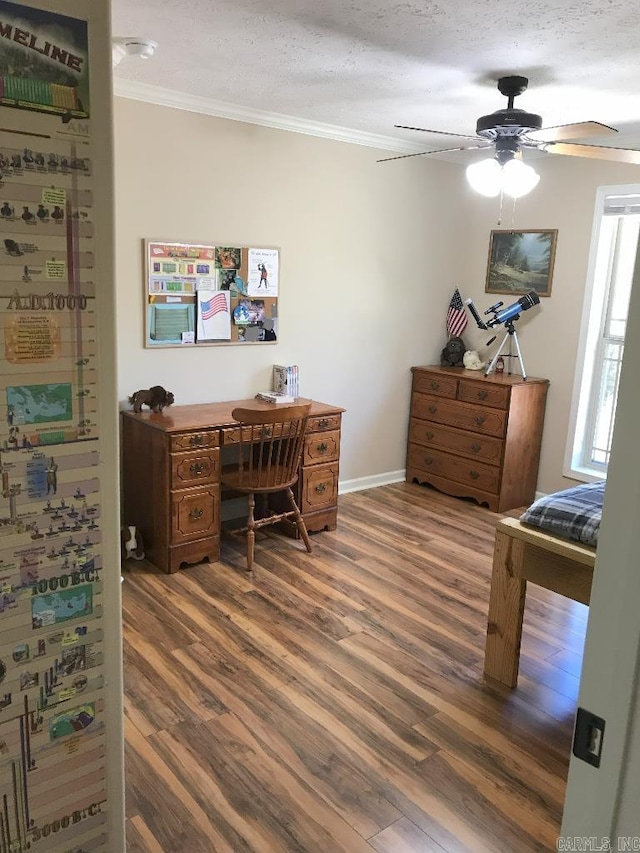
(213, 306)
(456, 315)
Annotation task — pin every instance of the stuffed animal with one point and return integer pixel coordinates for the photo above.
(131, 546)
(471, 360)
(156, 398)
(453, 353)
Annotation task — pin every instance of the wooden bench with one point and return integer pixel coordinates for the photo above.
(524, 554)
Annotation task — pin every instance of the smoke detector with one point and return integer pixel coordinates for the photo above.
(132, 46)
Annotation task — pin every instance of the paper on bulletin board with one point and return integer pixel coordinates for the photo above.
(214, 315)
(262, 279)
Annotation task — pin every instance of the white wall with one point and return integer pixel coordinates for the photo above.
(368, 259)
(370, 254)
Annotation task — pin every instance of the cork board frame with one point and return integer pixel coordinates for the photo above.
(201, 294)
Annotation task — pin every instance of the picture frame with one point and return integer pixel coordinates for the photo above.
(520, 261)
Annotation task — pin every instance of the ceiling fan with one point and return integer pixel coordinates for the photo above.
(510, 130)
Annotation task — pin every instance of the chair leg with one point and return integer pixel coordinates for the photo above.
(251, 536)
(302, 527)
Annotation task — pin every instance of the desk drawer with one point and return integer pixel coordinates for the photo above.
(194, 440)
(194, 469)
(462, 415)
(474, 446)
(434, 383)
(322, 423)
(467, 471)
(318, 487)
(321, 447)
(488, 395)
(194, 515)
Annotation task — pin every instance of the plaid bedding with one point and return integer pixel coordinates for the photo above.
(572, 514)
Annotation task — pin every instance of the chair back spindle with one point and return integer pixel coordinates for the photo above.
(270, 446)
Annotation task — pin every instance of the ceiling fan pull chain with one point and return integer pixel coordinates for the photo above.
(500, 211)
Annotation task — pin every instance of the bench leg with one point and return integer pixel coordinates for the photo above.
(506, 609)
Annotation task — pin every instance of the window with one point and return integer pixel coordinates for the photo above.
(611, 271)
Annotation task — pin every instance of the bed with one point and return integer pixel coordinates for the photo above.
(553, 544)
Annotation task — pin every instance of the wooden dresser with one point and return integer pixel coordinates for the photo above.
(171, 476)
(475, 436)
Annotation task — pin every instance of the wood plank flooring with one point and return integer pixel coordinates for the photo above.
(334, 702)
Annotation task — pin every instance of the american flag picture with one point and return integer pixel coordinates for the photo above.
(456, 315)
(213, 306)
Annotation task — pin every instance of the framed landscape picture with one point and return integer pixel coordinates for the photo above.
(520, 261)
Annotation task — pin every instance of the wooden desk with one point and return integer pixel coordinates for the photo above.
(171, 476)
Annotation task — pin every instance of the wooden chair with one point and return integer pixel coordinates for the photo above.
(270, 444)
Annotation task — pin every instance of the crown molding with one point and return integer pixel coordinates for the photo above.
(196, 104)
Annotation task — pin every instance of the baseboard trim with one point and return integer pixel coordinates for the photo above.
(361, 483)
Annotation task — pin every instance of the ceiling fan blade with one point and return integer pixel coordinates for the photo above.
(440, 132)
(438, 151)
(579, 130)
(599, 152)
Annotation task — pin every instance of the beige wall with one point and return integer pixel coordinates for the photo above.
(370, 254)
(367, 264)
(548, 334)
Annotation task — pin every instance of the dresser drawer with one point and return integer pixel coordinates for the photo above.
(322, 423)
(321, 447)
(474, 446)
(194, 469)
(433, 383)
(194, 515)
(194, 440)
(318, 487)
(488, 395)
(462, 415)
(466, 471)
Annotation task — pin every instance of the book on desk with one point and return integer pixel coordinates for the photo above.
(275, 397)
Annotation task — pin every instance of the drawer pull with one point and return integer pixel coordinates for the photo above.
(480, 419)
(321, 487)
(196, 468)
(428, 435)
(428, 460)
(322, 448)
(476, 448)
(482, 395)
(323, 423)
(434, 385)
(266, 432)
(196, 440)
(195, 514)
(433, 410)
(474, 475)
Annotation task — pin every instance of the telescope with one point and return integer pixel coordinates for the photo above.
(507, 316)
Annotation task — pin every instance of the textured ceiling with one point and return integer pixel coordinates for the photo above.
(365, 65)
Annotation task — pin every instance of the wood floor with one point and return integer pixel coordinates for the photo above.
(334, 702)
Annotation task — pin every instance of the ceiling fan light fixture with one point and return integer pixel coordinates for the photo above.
(490, 178)
(518, 178)
(485, 177)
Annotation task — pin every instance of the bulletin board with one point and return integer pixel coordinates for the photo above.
(197, 294)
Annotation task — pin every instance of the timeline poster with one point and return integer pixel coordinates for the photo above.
(52, 727)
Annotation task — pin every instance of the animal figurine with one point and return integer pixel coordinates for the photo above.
(453, 353)
(471, 360)
(157, 398)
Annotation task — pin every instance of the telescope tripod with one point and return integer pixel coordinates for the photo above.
(510, 334)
